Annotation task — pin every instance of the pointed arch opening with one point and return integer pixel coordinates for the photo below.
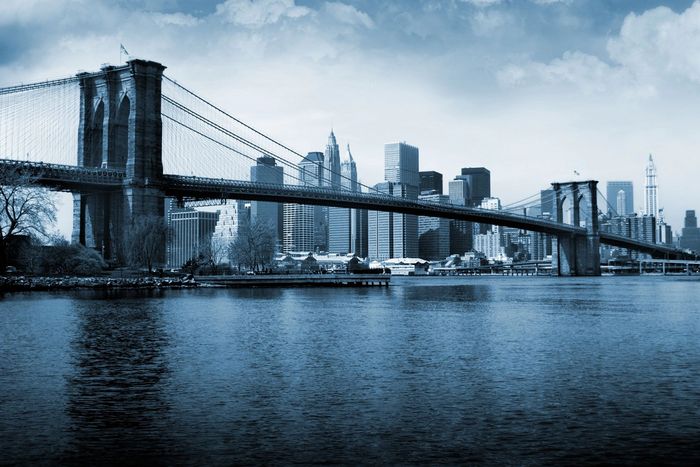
(93, 156)
(121, 135)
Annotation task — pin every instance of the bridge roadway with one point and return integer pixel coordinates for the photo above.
(74, 178)
(210, 188)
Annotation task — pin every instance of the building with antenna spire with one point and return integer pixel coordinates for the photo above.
(651, 207)
(331, 163)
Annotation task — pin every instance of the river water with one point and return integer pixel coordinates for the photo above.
(497, 370)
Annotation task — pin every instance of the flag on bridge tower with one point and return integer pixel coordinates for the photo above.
(122, 50)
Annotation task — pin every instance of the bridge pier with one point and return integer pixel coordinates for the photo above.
(120, 128)
(574, 254)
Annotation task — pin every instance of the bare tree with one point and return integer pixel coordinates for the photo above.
(26, 209)
(254, 247)
(210, 255)
(144, 241)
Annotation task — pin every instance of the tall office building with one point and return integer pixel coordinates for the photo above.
(479, 181)
(651, 207)
(191, 232)
(340, 220)
(267, 171)
(332, 179)
(358, 225)
(690, 235)
(430, 182)
(542, 242)
(304, 226)
(461, 234)
(331, 163)
(621, 203)
(359, 233)
(458, 190)
(401, 164)
(231, 216)
(171, 206)
(393, 235)
(434, 232)
(612, 192)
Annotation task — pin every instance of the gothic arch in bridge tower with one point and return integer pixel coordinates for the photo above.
(120, 135)
(93, 153)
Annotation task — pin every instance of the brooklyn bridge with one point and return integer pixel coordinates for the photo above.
(140, 137)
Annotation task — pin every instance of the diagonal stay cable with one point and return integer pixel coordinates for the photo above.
(201, 99)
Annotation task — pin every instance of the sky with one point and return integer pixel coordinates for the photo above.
(531, 89)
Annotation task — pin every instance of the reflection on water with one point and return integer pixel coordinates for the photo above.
(461, 370)
(115, 395)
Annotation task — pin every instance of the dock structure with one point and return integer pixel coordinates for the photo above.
(297, 280)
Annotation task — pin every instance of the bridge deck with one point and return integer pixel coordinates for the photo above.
(208, 188)
(74, 178)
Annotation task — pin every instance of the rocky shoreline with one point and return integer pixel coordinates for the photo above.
(28, 283)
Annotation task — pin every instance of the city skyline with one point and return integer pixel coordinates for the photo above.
(552, 86)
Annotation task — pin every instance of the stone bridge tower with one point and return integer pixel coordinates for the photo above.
(577, 255)
(120, 128)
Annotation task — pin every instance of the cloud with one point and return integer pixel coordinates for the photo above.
(31, 11)
(585, 71)
(660, 43)
(258, 13)
(348, 14)
(482, 3)
(653, 51)
(175, 19)
(551, 2)
(486, 22)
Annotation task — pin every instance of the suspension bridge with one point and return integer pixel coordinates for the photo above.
(140, 136)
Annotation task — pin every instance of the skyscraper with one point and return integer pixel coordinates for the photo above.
(191, 232)
(621, 203)
(479, 181)
(650, 201)
(430, 182)
(401, 164)
(612, 190)
(460, 231)
(305, 227)
(231, 216)
(458, 190)
(434, 232)
(331, 163)
(267, 171)
(479, 184)
(340, 220)
(690, 236)
(393, 235)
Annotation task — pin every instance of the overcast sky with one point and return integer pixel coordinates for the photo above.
(531, 89)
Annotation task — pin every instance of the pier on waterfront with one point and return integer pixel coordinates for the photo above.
(297, 280)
